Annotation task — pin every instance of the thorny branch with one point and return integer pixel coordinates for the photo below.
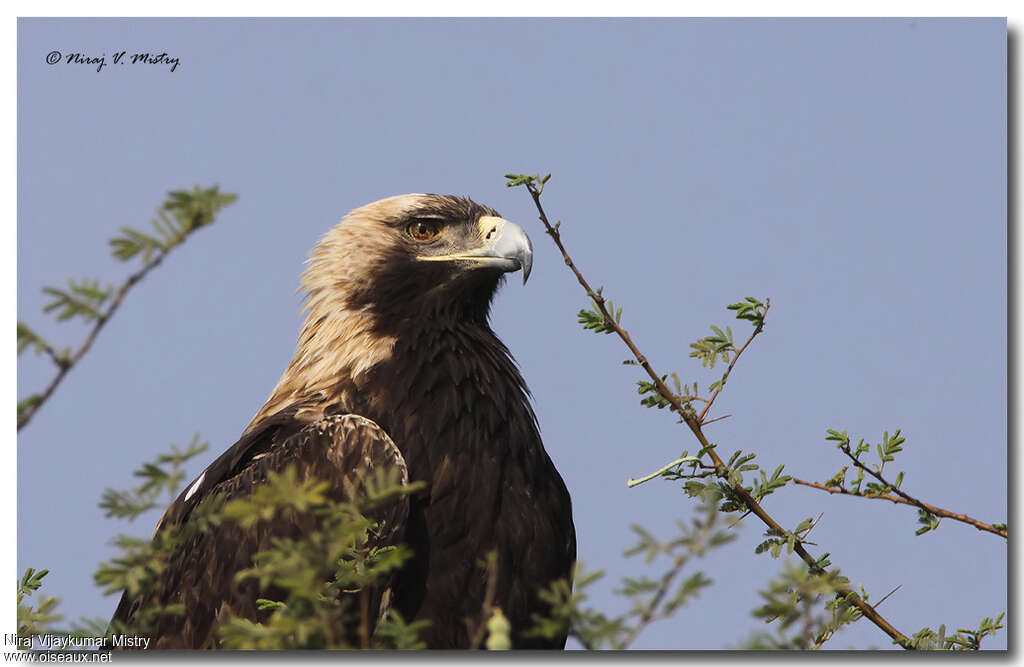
(65, 364)
(904, 499)
(694, 423)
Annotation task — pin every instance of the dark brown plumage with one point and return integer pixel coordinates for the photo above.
(396, 364)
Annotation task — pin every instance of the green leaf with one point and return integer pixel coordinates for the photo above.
(31, 581)
(164, 474)
(515, 180)
(263, 604)
(842, 438)
(928, 522)
(29, 338)
(182, 213)
(83, 299)
(25, 404)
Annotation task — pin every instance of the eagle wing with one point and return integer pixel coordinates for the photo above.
(343, 450)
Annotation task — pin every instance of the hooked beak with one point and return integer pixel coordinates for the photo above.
(506, 247)
(507, 244)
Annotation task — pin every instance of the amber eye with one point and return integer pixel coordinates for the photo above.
(423, 230)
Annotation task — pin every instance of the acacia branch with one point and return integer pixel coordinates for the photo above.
(910, 500)
(65, 364)
(735, 358)
(693, 422)
(901, 500)
(651, 612)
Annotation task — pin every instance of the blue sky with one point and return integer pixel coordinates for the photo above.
(852, 170)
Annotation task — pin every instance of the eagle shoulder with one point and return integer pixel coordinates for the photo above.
(348, 451)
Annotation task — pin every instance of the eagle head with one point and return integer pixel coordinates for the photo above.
(394, 270)
(417, 255)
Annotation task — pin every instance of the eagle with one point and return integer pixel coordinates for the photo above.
(396, 366)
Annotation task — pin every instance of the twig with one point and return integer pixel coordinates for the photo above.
(650, 612)
(66, 364)
(653, 610)
(646, 478)
(813, 526)
(694, 425)
(58, 359)
(716, 419)
(732, 363)
(887, 595)
(900, 499)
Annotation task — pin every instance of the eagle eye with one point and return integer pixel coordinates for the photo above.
(423, 230)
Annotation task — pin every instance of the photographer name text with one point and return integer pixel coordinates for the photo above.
(119, 58)
(68, 642)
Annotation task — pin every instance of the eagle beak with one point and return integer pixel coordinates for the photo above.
(506, 247)
(507, 242)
